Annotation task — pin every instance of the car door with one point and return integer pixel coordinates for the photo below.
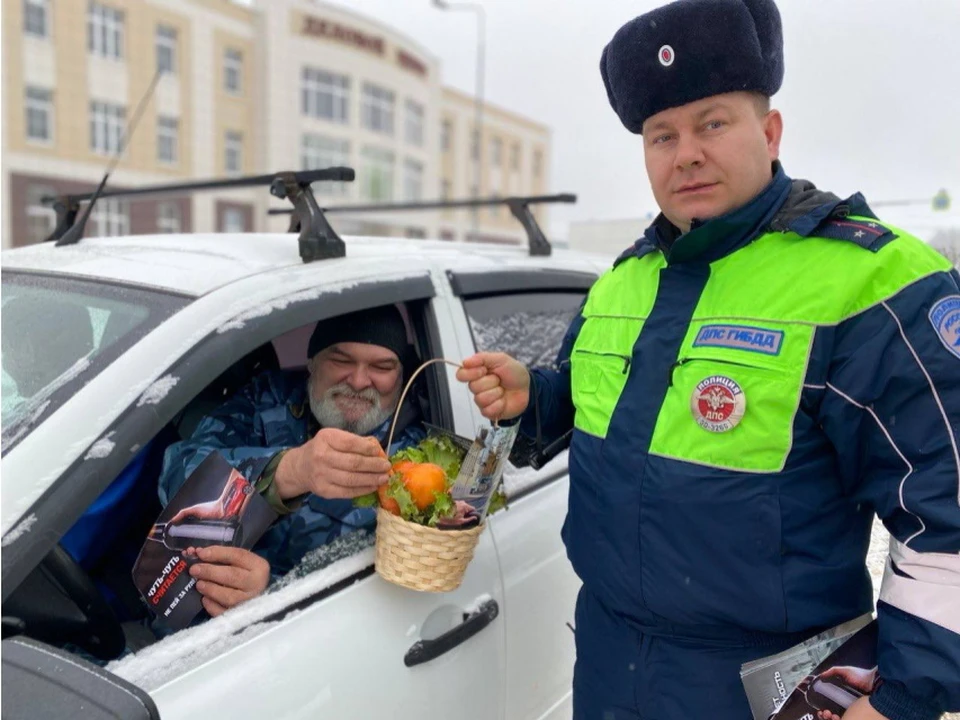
(525, 313)
(339, 641)
(355, 645)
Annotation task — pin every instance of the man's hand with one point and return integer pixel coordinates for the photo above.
(863, 679)
(228, 576)
(333, 464)
(860, 710)
(500, 384)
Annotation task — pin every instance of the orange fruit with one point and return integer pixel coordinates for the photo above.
(400, 466)
(387, 502)
(423, 480)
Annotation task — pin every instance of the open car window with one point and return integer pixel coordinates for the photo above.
(319, 574)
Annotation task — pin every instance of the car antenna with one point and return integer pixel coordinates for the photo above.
(73, 235)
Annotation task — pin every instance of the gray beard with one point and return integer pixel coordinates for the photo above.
(327, 413)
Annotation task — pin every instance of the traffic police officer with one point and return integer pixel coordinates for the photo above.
(765, 369)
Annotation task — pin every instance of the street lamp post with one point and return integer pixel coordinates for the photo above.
(478, 99)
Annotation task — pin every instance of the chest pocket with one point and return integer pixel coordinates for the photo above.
(597, 379)
(731, 406)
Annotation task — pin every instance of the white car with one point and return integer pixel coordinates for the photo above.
(158, 330)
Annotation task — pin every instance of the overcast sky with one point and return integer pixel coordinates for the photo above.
(871, 93)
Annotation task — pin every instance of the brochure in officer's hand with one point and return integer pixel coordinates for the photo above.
(817, 679)
(215, 506)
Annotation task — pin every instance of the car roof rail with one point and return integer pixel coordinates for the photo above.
(317, 241)
(519, 207)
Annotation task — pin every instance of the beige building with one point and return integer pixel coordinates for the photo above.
(274, 85)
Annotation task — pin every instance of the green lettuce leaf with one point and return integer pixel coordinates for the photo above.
(412, 453)
(498, 501)
(408, 508)
(441, 451)
(368, 500)
(443, 507)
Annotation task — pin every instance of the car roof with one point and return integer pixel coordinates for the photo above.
(199, 263)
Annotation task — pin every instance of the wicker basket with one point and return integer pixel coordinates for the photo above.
(423, 558)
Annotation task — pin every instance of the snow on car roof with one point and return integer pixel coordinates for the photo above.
(196, 264)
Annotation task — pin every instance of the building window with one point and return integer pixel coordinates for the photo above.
(169, 219)
(537, 163)
(233, 220)
(41, 219)
(412, 181)
(446, 187)
(414, 124)
(475, 145)
(39, 105)
(496, 152)
(106, 127)
(167, 132)
(446, 135)
(110, 216)
(325, 95)
(233, 152)
(166, 49)
(35, 17)
(377, 175)
(318, 152)
(376, 110)
(415, 233)
(105, 31)
(233, 71)
(515, 157)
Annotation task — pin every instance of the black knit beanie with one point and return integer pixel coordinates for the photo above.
(381, 326)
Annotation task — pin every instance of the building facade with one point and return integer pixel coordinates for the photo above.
(275, 85)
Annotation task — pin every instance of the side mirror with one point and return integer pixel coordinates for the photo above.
(40, 682)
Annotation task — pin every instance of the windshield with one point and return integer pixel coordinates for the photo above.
(58, 334)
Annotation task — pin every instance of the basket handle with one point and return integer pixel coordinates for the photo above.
(396, 412)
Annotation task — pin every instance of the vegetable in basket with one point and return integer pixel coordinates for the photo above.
(419, 488)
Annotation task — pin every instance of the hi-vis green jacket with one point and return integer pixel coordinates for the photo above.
(744, 398)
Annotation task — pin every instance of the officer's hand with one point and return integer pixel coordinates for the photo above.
(228, 576)
(500, 384)
(333, 464)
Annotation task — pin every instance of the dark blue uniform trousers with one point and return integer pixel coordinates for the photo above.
(625, 673)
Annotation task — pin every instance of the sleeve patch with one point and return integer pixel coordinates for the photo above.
(945, 318)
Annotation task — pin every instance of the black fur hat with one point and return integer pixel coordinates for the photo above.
(689, 50)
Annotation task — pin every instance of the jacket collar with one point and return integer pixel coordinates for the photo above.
(710, 240)
(785, 205)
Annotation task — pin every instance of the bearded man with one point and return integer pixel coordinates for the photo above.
(309, 443)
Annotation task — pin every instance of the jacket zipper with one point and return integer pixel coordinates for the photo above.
(626, 358)
(684, 361)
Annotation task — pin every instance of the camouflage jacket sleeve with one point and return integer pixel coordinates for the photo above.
(247, 430)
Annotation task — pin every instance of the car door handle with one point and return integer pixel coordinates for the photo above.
(426, 650)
